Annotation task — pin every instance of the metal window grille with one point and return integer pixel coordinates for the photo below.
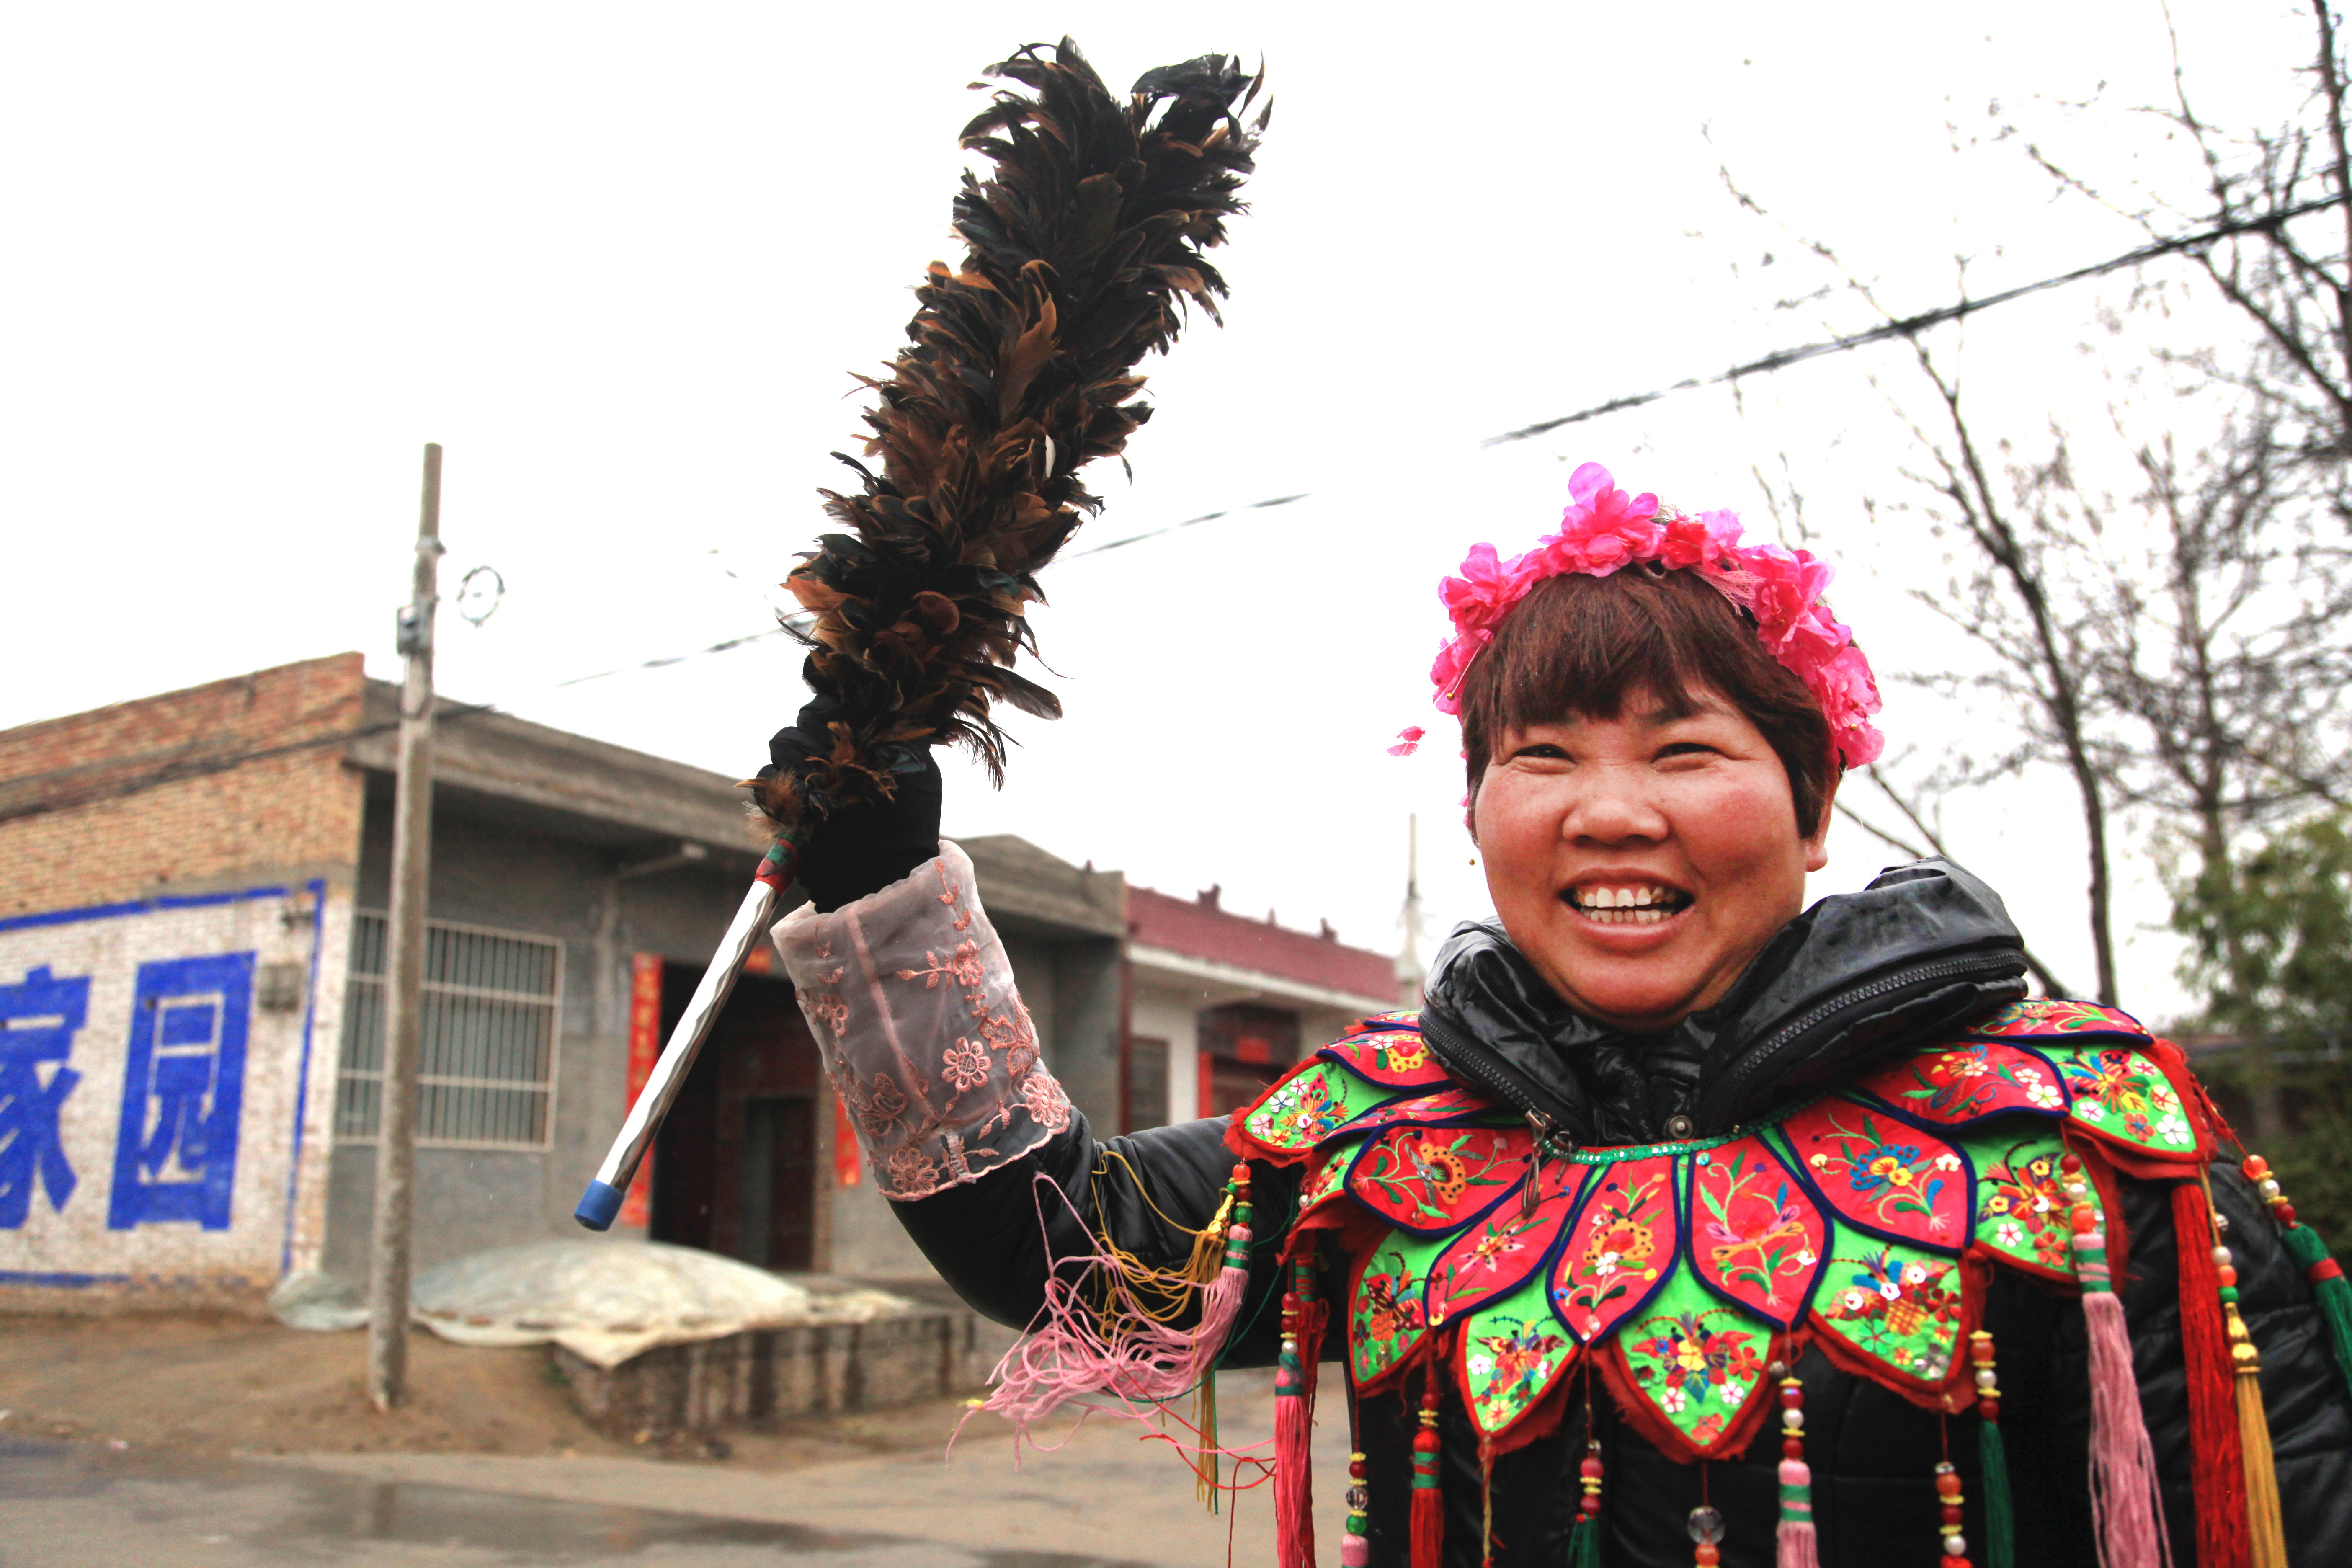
(488, 1046)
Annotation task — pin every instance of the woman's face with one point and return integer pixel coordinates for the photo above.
(1640, 862)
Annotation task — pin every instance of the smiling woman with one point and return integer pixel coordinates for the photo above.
(1648, 788)
(1679, 1205)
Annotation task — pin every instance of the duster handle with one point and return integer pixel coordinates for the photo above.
(601, 1204)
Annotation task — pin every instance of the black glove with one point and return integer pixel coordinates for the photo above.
(860, 849)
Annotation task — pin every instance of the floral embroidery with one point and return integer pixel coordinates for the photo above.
(1896, 1304)
(1757, 1238)
(2019, 1202)
(1044, 1100)
(1695, 1360)
(832, 1011)
(1650, 1255)
(1524, 1354)
(911, 994)
(1299, 1112)
(1960, 1084)
(910, 1171)
(1497, 1254)
(1403, 1053)
(1384, 1309)
(966, 1063)
(2055, 1016)
(1620, 1245)
(1435, 1179)
(962, 966)
(876, 1110)
(1881, 1173)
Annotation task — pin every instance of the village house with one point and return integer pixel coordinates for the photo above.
(192, 935)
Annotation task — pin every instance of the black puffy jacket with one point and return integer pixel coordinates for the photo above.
(1925, 948)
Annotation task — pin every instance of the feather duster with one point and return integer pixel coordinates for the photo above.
(1019, 369)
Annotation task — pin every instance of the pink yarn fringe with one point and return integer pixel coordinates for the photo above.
(1294, 1495)
(1798, 1546)
(1067, 1359)
(2123, 1464)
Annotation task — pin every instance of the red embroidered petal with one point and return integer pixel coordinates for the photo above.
(1620, 1248)
(1882, 1176)
(1756, 1236)
(1501, 1252)
(1434, 1180)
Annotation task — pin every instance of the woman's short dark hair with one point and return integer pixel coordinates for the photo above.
(1577, 645)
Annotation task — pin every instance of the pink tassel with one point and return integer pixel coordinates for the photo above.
(2123, 1498)
(1796, 1544)
(1294, 1493)
(1303, 1318)
(1067, 1356)
(1798, 1547)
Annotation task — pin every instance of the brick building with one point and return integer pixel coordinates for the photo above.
(192, 896)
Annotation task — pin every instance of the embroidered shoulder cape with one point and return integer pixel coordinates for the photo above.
(1866, 1222)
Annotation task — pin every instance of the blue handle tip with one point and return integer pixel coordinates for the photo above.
(599, 1206)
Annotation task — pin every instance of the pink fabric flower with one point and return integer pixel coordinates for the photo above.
(1408, 740)
(1603, 531)
(966, 1062)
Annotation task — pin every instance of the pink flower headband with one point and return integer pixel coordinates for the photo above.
(1603, 530)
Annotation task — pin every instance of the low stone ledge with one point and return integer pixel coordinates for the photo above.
(792, 1370)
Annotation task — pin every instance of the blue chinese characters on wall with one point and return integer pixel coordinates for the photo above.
(39, 1019)
(176, 1154)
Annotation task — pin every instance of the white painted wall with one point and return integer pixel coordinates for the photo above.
(178, 979)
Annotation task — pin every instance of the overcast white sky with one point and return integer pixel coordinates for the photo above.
(619, 259)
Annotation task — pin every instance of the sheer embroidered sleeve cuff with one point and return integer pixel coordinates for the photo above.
(911, 1000)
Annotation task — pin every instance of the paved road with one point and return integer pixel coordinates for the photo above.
(1105, 1499)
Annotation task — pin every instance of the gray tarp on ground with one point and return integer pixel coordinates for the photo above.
(604, 1301)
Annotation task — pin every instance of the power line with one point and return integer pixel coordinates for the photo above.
(1782, 359)
(1170, 528)
(1910, 326)
(672, 658)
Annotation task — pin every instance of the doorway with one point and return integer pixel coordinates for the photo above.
(735, 1164)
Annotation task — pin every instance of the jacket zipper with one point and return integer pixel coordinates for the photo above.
(1549, 1139)
(1550, 1143)
(1946, 969)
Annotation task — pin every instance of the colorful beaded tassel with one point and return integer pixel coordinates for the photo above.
(1584, 1539)
(1355, 1547)
(2305, 1246)
(1797, 1544)
(2123, 1461)
(1294, 1421)
(1947, 1493)
(1428, 1500)
(1992, 1459)
(2266, 1530)
(1705, 1529)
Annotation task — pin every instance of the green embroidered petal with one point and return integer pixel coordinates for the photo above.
(2121, 1095)
(1296, 1112)
(1894, 1305)
(1697, 1359)
(1386, 1317)
(2021, 1213)
(1513, 1353)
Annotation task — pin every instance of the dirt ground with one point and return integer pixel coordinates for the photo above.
(219, 1383)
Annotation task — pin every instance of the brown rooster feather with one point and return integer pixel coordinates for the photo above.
(1019, 370)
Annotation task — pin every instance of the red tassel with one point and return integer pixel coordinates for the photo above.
(1294, 1423)
(2217, 1466)
(2123, 1462)
(1428, 1499)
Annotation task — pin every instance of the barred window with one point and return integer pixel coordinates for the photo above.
(488, 1045)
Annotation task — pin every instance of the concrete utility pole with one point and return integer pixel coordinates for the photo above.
(412, 856)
